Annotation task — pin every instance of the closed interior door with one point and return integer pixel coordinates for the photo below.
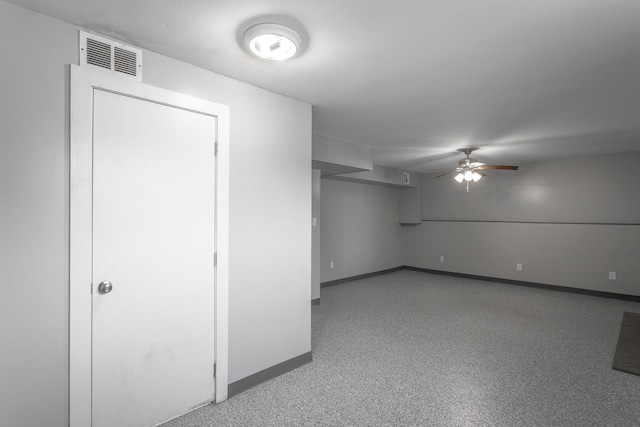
(154, 242)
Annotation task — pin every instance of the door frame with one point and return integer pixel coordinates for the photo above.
(83, 84)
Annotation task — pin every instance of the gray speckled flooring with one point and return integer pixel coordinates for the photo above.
(413, 349)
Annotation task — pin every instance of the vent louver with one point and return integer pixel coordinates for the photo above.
(98, 54)
(110, 56)
(125, 61)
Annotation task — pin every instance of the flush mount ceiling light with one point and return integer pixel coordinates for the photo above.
(272, 41)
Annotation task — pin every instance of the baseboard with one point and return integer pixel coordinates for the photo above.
(602, 294)
(315, 301)
(360, 276)
(246, 383)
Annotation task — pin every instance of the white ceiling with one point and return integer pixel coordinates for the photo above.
(417, 79)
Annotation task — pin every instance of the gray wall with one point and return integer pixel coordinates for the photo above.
(593, 189)
(568, 222)
(269, 232)
(360, 231)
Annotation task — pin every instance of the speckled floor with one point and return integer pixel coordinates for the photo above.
(413, 349)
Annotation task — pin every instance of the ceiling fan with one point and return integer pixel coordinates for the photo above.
(471, 170)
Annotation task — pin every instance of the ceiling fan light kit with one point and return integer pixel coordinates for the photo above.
(468, 176)
(471, 170)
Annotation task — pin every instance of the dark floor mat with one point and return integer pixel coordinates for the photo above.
(627, 357)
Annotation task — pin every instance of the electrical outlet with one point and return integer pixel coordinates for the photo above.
(331, 265)
(441, 258)
(406, 178)
(612, 275)
(519, 267)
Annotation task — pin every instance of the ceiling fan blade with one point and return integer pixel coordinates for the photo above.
(502, 167)
(438, 170)
(444, 174)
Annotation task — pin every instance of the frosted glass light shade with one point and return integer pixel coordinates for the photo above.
(272, 41)
(468, 176)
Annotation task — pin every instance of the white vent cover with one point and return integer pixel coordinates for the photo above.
(110, 56)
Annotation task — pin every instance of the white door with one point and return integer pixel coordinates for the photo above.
(153, 240)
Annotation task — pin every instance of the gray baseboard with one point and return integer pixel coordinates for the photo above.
(315, 301)
(360, 276)
(246, 383)
(602, 294)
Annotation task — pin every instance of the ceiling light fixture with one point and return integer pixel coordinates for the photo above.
(274, 42)
(471, 170)
(468, 175)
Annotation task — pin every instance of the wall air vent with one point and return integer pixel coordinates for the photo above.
(110, 56)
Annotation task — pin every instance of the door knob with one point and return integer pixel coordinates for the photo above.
(105, 287)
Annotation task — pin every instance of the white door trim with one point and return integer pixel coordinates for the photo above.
(82, 86)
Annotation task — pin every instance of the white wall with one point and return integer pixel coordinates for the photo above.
(34, 219)
(360, 232)
(270, 209)
(569, 222)
(315, 262)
